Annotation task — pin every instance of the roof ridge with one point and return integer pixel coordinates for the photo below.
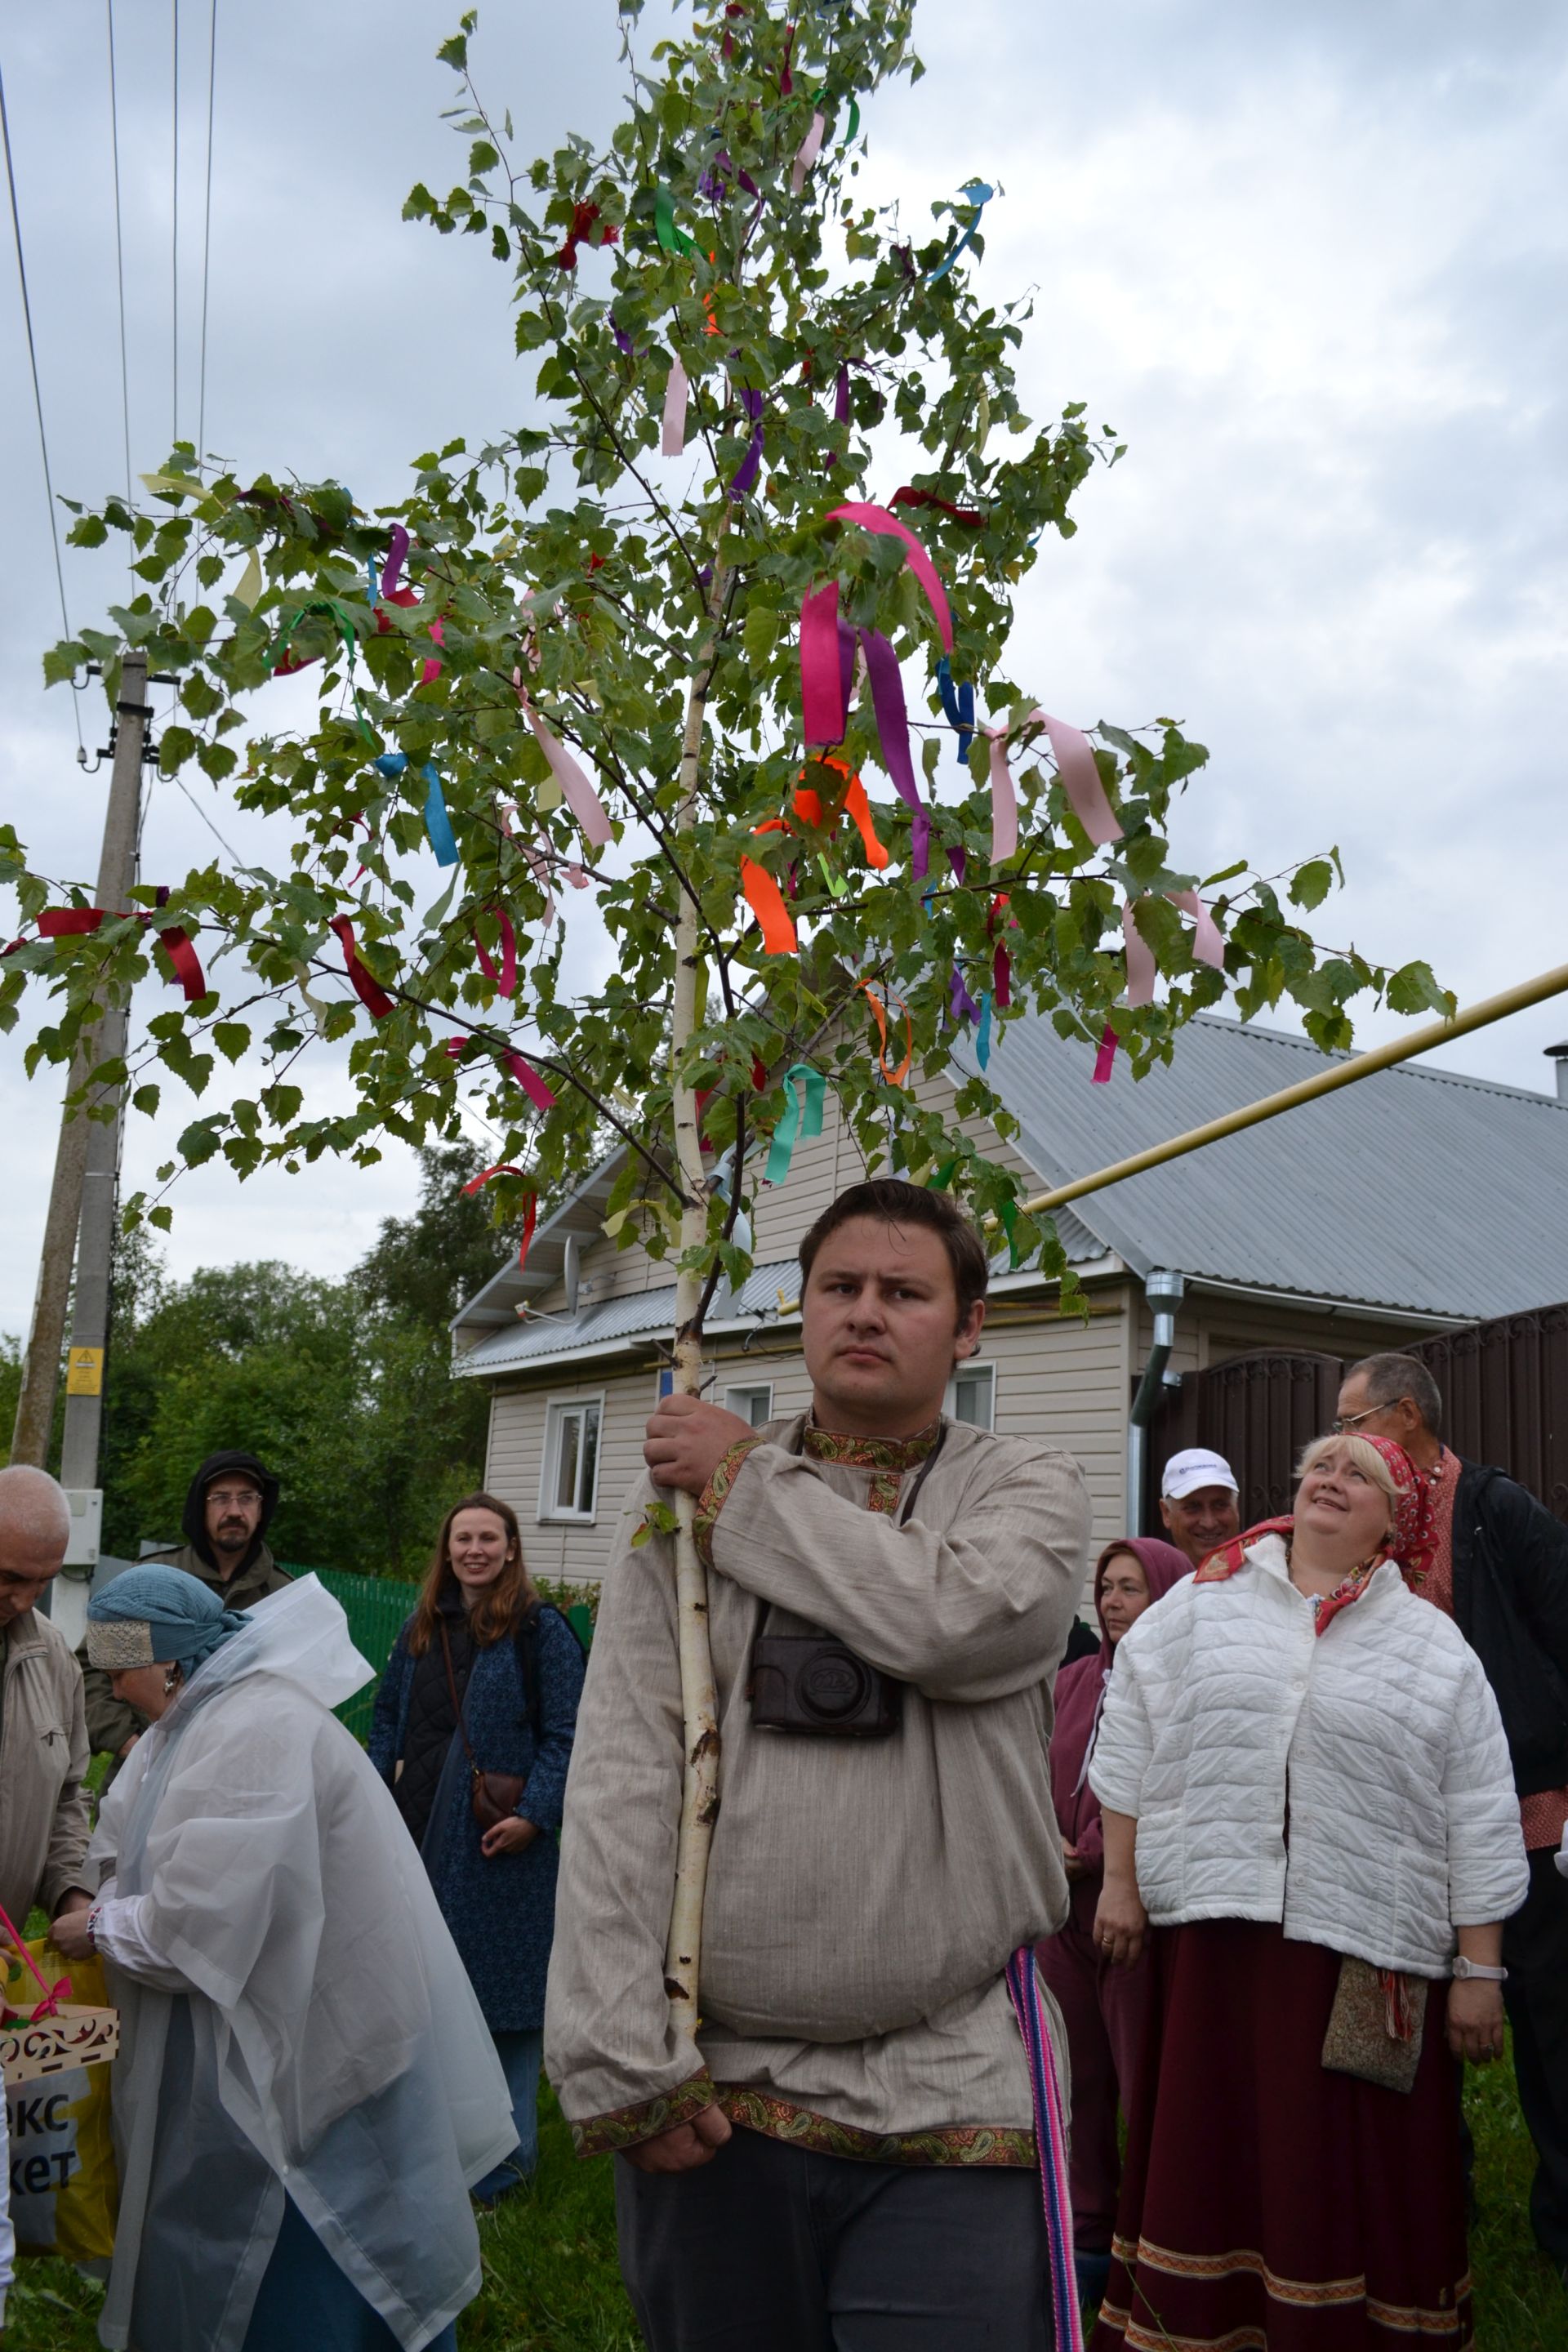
(1411, 1068)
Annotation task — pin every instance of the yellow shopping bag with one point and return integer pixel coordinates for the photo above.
(64, 2187)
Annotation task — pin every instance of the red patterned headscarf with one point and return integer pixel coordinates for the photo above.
(1411, 1544)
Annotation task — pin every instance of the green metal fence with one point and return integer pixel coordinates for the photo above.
(376, 1607)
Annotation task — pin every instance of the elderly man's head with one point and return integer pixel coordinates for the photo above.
(35, 1527)
(1394, 1396)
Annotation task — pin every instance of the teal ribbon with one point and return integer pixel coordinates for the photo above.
(983, 1038)
(979, 196)
(803, 1117)
(437, 823)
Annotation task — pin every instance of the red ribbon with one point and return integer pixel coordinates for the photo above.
(531, 1206)
(505, 979)
(786, 80)
(369, 991)
(528, 1079)
(79, 922)
(910, 497)
(583, 217)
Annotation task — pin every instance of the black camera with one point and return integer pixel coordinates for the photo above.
(813, 1682)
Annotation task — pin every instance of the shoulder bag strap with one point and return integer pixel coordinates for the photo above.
(457, 1702)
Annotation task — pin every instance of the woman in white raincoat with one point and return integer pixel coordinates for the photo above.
(306, 2084)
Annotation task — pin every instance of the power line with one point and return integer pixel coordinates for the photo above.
(208, 236)
(120, 252)
(174, 241)
(37, 393)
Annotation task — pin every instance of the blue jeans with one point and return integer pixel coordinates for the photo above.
(519, 2054)
(306, 2300)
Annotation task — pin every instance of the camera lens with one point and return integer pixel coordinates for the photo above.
(833, 1685)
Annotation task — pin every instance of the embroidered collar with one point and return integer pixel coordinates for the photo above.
(870, 1452)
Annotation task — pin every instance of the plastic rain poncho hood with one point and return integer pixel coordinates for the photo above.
(327, 2043)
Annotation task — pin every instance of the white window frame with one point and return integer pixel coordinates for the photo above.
(749, 1388)
(558, 1410)
(973, 1375)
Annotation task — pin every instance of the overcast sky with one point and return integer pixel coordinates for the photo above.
(1308, 262)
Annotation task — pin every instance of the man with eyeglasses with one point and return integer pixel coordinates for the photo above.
(228, 1506)
(1499, 1569)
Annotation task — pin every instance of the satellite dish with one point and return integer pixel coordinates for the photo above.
(571, 1271)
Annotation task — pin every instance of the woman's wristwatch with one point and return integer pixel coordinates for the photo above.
(1464, 1968)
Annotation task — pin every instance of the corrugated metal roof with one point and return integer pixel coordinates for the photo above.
(637, 1314)
(1415, 1188)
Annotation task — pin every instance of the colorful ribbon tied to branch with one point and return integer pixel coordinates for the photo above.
(677, 392)
(809, 807)
(585, 218)
(827, 664)
(958, 709)
(397, 552)
(806, 1091)
(873, 518)
(765, 900)
(437, 823)
(503, 981)
(806, 153)
(1079, 777)
(746, 472)
(530, 1206)
(80, 922)
(979, 196)
(983, 1035)
(533, 1085)
(369, 991)
(1208, 947)
(894, 1077)
(1004, 799)
(1105, 1060)
(673, 240)
(968, 516)
(576, 790)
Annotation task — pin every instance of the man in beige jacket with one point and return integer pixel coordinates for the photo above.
(845, 2161)
(43, 1822)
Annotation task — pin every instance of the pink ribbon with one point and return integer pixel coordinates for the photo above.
(1004, 799)
(528, 1079)
(1105, 1057)
(877, 519)
(1209, 946)
(822, 690)
(576, 791)
(810, 148)
(505, 979)
(676, 393)
(432, 667)
(1081, 778)
(1140, 962)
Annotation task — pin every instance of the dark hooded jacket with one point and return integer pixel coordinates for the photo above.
(1080, 1691)
(109, 1722)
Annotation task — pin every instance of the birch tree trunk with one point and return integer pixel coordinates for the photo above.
(699, 1784)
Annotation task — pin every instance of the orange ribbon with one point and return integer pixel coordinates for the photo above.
(894, 1077)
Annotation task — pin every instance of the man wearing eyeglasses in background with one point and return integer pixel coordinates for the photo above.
(1500, 1570)
(228, 1507)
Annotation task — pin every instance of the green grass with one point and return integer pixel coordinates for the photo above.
(551, 2284)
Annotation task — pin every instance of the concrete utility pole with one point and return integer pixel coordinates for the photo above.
(86, 1161)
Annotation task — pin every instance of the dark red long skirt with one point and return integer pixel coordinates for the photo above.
(1268, 2205)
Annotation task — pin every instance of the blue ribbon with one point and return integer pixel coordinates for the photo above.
(980, 195)
(437, 823)
(958, 708)
(982, 1040)
(391, 765)
(374, 583)
(803, 1117)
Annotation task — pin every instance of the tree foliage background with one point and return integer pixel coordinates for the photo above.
(344, 1389)
(650, 615)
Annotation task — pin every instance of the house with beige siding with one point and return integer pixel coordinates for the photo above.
(1411, 1203)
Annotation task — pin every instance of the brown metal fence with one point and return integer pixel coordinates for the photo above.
(1505, 1394)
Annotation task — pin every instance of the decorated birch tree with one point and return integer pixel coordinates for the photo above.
(657, 661)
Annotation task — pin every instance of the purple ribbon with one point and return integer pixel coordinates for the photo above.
(746, 472)
(623, 341)
(893, 733)
(396, 549)
(960, 1003)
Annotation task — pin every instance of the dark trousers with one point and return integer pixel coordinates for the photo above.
(1535, 1954)
(772, 2248)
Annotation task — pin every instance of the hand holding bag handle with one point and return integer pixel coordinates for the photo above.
(494, 1796)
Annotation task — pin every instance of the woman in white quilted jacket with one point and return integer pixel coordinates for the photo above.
(1309, 1811)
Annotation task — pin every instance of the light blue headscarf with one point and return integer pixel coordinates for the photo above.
(186, 1623)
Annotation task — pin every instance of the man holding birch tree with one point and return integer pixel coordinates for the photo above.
(888, 1598)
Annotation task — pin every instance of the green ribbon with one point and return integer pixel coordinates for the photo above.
(1008, 1213)
(943, 1177)
(347, 629)
(803, 1117)
(673, 240)
(854, 129)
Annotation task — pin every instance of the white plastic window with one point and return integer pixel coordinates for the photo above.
(570, 1485)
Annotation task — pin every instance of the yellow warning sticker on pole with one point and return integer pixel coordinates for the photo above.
(84, 1371)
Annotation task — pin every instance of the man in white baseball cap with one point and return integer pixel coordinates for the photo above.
(1198, 1502)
